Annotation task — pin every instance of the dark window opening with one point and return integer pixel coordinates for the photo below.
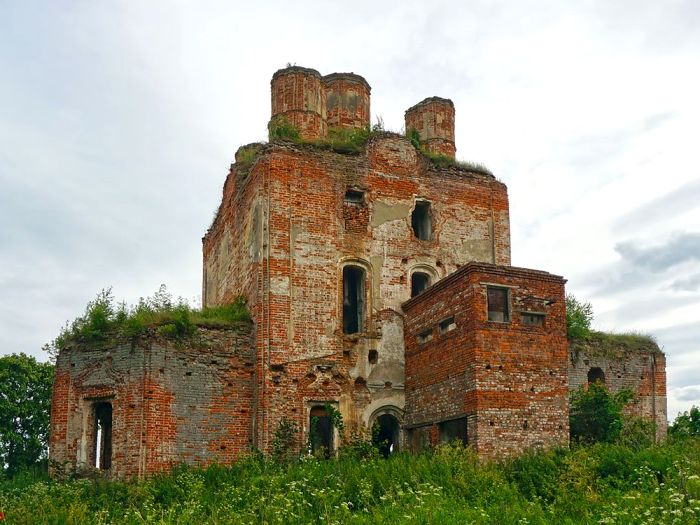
(447, 325)
(421, 221)
(455, 430)
(419, 282)
(596, 375)
(531, 319)
(353, 196)
(425, 335)
(385, 434)
(103, 436)
(353, 299)
(373, 357)
(498, 304)
(320, 431)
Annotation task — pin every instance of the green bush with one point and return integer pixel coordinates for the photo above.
(595, 415)
(174, 319)
(686, 424)
(579, 316)
(25, 404)
(281, 128)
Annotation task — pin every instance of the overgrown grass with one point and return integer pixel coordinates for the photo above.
(104, 319)
(342, 140)
(615, 344)
(598, 484)
(443, 161)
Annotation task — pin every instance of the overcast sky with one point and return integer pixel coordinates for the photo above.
(118, 121)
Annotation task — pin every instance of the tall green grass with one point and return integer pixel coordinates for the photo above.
(597, 484)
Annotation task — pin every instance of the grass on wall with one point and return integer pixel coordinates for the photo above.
(104, 319)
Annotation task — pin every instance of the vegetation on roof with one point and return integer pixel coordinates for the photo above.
(443, 161)
(104, 319)
(341, 140)
(579, 316)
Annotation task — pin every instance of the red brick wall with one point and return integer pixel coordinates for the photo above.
(434, 119)
(298, 96)
(509, 379)
(170, 403)
(347, 100)
(309, 233)
(638, 366)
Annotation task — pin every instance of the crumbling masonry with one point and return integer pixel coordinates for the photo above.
(379, 282)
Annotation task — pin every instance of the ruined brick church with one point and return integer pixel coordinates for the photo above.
(379, 283)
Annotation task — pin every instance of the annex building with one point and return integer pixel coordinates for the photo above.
(379, 279)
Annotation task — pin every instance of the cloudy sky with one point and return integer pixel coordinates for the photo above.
(118, 121)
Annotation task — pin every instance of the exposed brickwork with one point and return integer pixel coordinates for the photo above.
(509, 380)
(434, 120)
(293, 216)
(638, 367)
(298, 96)
(170, 404)
(312, 232)
(347, 100)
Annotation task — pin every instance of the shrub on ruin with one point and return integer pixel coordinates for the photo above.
(284, 442)
(171, 318)
(595, 414)
(579, 316)
(281, 128)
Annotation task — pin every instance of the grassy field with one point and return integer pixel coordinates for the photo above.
(597, 484)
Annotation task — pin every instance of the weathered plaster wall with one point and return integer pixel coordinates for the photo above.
(509, 380)
(170, 403)
(638, 366)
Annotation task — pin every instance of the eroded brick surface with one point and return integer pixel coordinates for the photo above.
(639, 368)
(293, 216)
(507, 379)
(170, 404)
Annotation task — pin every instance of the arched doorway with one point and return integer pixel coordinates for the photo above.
(385, 435)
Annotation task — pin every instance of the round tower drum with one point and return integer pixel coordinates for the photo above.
(298, 97)
(347, 100)
(434, 120)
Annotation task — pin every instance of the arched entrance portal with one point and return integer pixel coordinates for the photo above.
(386, 436)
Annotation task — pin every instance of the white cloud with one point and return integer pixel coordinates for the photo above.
(119, 120)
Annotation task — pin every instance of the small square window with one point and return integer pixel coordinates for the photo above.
(447, 325)
(532, 319)
(498, 304)
(353, 196)
(425, 336)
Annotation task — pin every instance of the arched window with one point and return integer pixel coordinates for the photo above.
(386, 434)
(419, 282)
(354, 285)
(596, 375)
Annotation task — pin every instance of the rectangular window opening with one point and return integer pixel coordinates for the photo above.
(532, 319)
(354, 196)
(425, 336)
(421, 221)
(455, 430)
(353, 299)
(103, 436)
(498, 304)
(320, 431)
(447, 325)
